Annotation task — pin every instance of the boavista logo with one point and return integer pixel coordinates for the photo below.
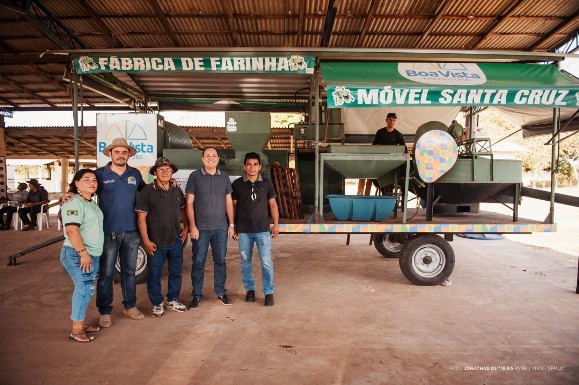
(451, 74)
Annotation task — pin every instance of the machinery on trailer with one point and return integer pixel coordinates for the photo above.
(451, 175)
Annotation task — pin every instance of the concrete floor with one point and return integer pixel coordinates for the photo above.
(343, 315)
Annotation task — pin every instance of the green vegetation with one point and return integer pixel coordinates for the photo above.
(537, 162)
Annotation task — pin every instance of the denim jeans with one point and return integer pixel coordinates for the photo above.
(218, 241)
(83, 282)
(126, 245)
(174, 255)
(263, 243)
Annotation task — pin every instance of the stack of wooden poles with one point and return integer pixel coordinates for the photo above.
(286, 182)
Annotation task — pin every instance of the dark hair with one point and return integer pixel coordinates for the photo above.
(78, 176)
(23, 185)
(208, 148)
(251, 155)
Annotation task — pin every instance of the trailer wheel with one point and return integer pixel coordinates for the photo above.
(390, 244)
(140, 271)
(427, 260)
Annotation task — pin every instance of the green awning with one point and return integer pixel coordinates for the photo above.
(293, 64)
(381, 84)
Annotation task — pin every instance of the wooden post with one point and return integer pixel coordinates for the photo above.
(3, 166)
(63, 175)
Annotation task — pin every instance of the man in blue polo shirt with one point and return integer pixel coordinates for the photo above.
(118, 184)
(210, 214)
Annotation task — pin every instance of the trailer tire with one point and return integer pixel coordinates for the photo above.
(427, 260)
(390, 244)
(140, 271)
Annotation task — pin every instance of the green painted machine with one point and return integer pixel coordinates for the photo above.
(247, 132)
(475, 177)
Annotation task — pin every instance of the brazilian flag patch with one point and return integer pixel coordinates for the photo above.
(71, 212)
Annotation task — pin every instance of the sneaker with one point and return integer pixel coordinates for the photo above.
(176, 306)
(134, 313)
(224, 299)
(28, 228)
(105, 321)
(158, 310)
(269, 300)
(195, 303)
(250, 296)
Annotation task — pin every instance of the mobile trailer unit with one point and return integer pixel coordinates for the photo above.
(427, 258)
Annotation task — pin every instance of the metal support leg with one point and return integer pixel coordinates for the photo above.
(429, 201)
(516, 202)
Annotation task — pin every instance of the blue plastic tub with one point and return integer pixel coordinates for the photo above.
(362, 207)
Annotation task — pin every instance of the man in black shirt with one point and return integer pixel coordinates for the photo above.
(160, 211)
(252, 196)
(35, 201)
(389, 134)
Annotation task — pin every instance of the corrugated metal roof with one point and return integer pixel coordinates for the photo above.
(470, 24)
(51, 141)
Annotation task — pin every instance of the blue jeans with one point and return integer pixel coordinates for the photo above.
(126, 245)
(174, 255)
(263, 243)
(83, 282)
(218, 241)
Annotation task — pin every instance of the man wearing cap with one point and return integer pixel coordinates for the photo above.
(118, 184)
(17, 199)
(389, 134)
(160, 211)
(36, 198)
(210, 215)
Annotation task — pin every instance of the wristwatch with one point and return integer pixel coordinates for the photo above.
(232, 225)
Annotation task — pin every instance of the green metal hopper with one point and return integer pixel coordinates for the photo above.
(365, 161)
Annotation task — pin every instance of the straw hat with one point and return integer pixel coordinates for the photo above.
(119, 142)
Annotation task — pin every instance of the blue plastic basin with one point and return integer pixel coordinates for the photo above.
(362, 207)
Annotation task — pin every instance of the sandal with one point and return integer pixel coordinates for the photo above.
(77, 337)
(91, 329)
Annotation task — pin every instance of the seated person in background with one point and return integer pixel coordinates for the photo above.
(37, 197)
(18, 198)
(389, 134)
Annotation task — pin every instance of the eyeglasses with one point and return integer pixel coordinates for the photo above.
(165, 170)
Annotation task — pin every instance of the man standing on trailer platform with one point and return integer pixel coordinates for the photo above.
(389, 134)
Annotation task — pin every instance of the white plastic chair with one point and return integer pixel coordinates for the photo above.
(16, 221)
(43, 214)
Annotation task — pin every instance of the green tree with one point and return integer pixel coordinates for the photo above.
(538, 159)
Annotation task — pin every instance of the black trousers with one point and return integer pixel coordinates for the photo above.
(9, 211)
(33, 211)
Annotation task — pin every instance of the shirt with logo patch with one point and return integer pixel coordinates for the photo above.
(89, 218)
(116, 196)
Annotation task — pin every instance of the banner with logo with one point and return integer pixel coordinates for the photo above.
(140, 131)
(296, 64)
(381, 84)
